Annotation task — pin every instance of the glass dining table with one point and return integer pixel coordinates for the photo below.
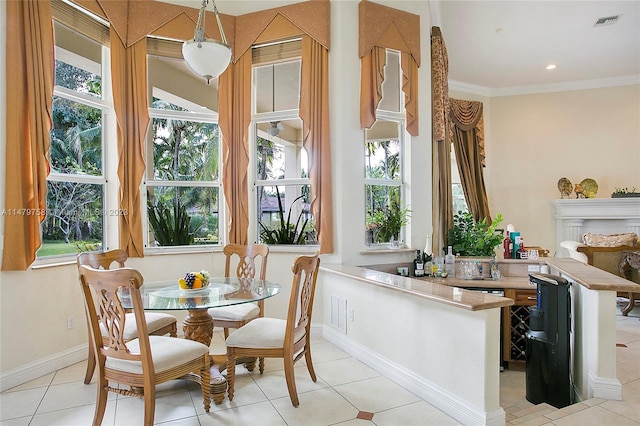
(198, 324)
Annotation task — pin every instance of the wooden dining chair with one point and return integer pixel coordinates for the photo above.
(235, 316)
(278, 338)
(158, 323)
(141, 363)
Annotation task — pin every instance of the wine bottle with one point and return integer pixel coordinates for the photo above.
(450, 262)
(418, 265)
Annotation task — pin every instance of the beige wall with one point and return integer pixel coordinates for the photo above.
(534, 140)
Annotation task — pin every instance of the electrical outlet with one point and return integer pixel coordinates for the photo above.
(71, 322)
(352, 314)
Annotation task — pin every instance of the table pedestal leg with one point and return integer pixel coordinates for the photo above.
(198, 326)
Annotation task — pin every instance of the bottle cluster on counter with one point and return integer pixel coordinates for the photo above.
(513, 245)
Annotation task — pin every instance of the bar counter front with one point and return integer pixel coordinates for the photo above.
(441, 340)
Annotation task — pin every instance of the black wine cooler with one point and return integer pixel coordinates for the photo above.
(548, 349)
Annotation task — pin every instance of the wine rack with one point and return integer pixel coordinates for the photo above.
(515, 326)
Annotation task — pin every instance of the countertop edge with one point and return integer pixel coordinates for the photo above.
(378, 278)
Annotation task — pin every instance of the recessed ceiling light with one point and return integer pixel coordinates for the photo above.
(551, 67)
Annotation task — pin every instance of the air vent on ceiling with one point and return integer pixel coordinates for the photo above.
(608, 20)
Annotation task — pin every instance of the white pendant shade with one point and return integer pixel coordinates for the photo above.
(208, 58)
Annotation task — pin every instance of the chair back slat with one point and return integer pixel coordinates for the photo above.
(305, 275)
(103, 259)
(247, 255)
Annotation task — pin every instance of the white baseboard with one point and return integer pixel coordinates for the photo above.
(430, 392)
(604, 387)
(26, 373)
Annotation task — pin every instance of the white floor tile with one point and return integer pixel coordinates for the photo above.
(20, 403)
(274, 384)
(263, 414)
(343, 371)
(320, 407)
(69, 395)
(376, 394)
(417, 413)
(76, 416)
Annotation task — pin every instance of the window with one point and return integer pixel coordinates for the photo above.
(282, 186)
(459, 201)
(386, 213)
(77, 209)
(183, 186)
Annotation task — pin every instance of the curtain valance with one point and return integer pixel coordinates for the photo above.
(381, 28)
(467, 115)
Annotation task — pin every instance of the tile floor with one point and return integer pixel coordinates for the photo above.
(347, 393)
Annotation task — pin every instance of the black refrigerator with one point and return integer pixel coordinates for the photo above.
(548, 351)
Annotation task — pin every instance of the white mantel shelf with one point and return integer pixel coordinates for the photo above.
(574, 217)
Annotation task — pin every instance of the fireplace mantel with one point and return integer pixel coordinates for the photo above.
(574, 217)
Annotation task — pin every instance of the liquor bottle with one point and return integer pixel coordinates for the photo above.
(522, 252)
(427, 254)
(418, 265)
(450, 262)
(507, 245)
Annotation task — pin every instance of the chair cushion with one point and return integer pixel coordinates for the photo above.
(261, 333)
(155, 321)
(241, 312)
(166, 352)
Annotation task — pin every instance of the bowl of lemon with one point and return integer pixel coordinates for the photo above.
(194, 280)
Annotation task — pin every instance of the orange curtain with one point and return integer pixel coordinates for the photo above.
(371, 78)
(442, 195)
(314, 112)
(129, 80)
(29, 96)
(410, 90)
(234, 94)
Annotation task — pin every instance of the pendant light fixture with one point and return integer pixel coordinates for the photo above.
(274, 126)
(207, 57)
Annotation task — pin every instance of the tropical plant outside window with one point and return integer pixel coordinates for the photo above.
(76, 207)
(281, 163)
(459, 201)
(183, 188)
(386, 213)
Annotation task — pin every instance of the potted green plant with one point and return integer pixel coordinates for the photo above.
(393, 219)
(625, 193)
(285, 232)
(471, 238)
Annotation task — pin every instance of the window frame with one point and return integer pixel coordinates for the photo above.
(399, 117)
(148, 181)
(108, 122)
(262, 117)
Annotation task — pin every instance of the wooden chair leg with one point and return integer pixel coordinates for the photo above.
(231, 372)
(629, 307)
(205, 385)
(289, 375)
(149, 405)
(174, 330)
(261, 365)
(91, 365)
(307, 360)
(226, 333)
(101, 404)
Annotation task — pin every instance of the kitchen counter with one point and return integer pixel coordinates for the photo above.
(443, 290)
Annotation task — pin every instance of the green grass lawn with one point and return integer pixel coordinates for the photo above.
(53, 248)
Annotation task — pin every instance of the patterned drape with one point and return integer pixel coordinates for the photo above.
(442, 198)
(29, 96)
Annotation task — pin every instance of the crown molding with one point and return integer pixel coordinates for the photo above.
(626, 80)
